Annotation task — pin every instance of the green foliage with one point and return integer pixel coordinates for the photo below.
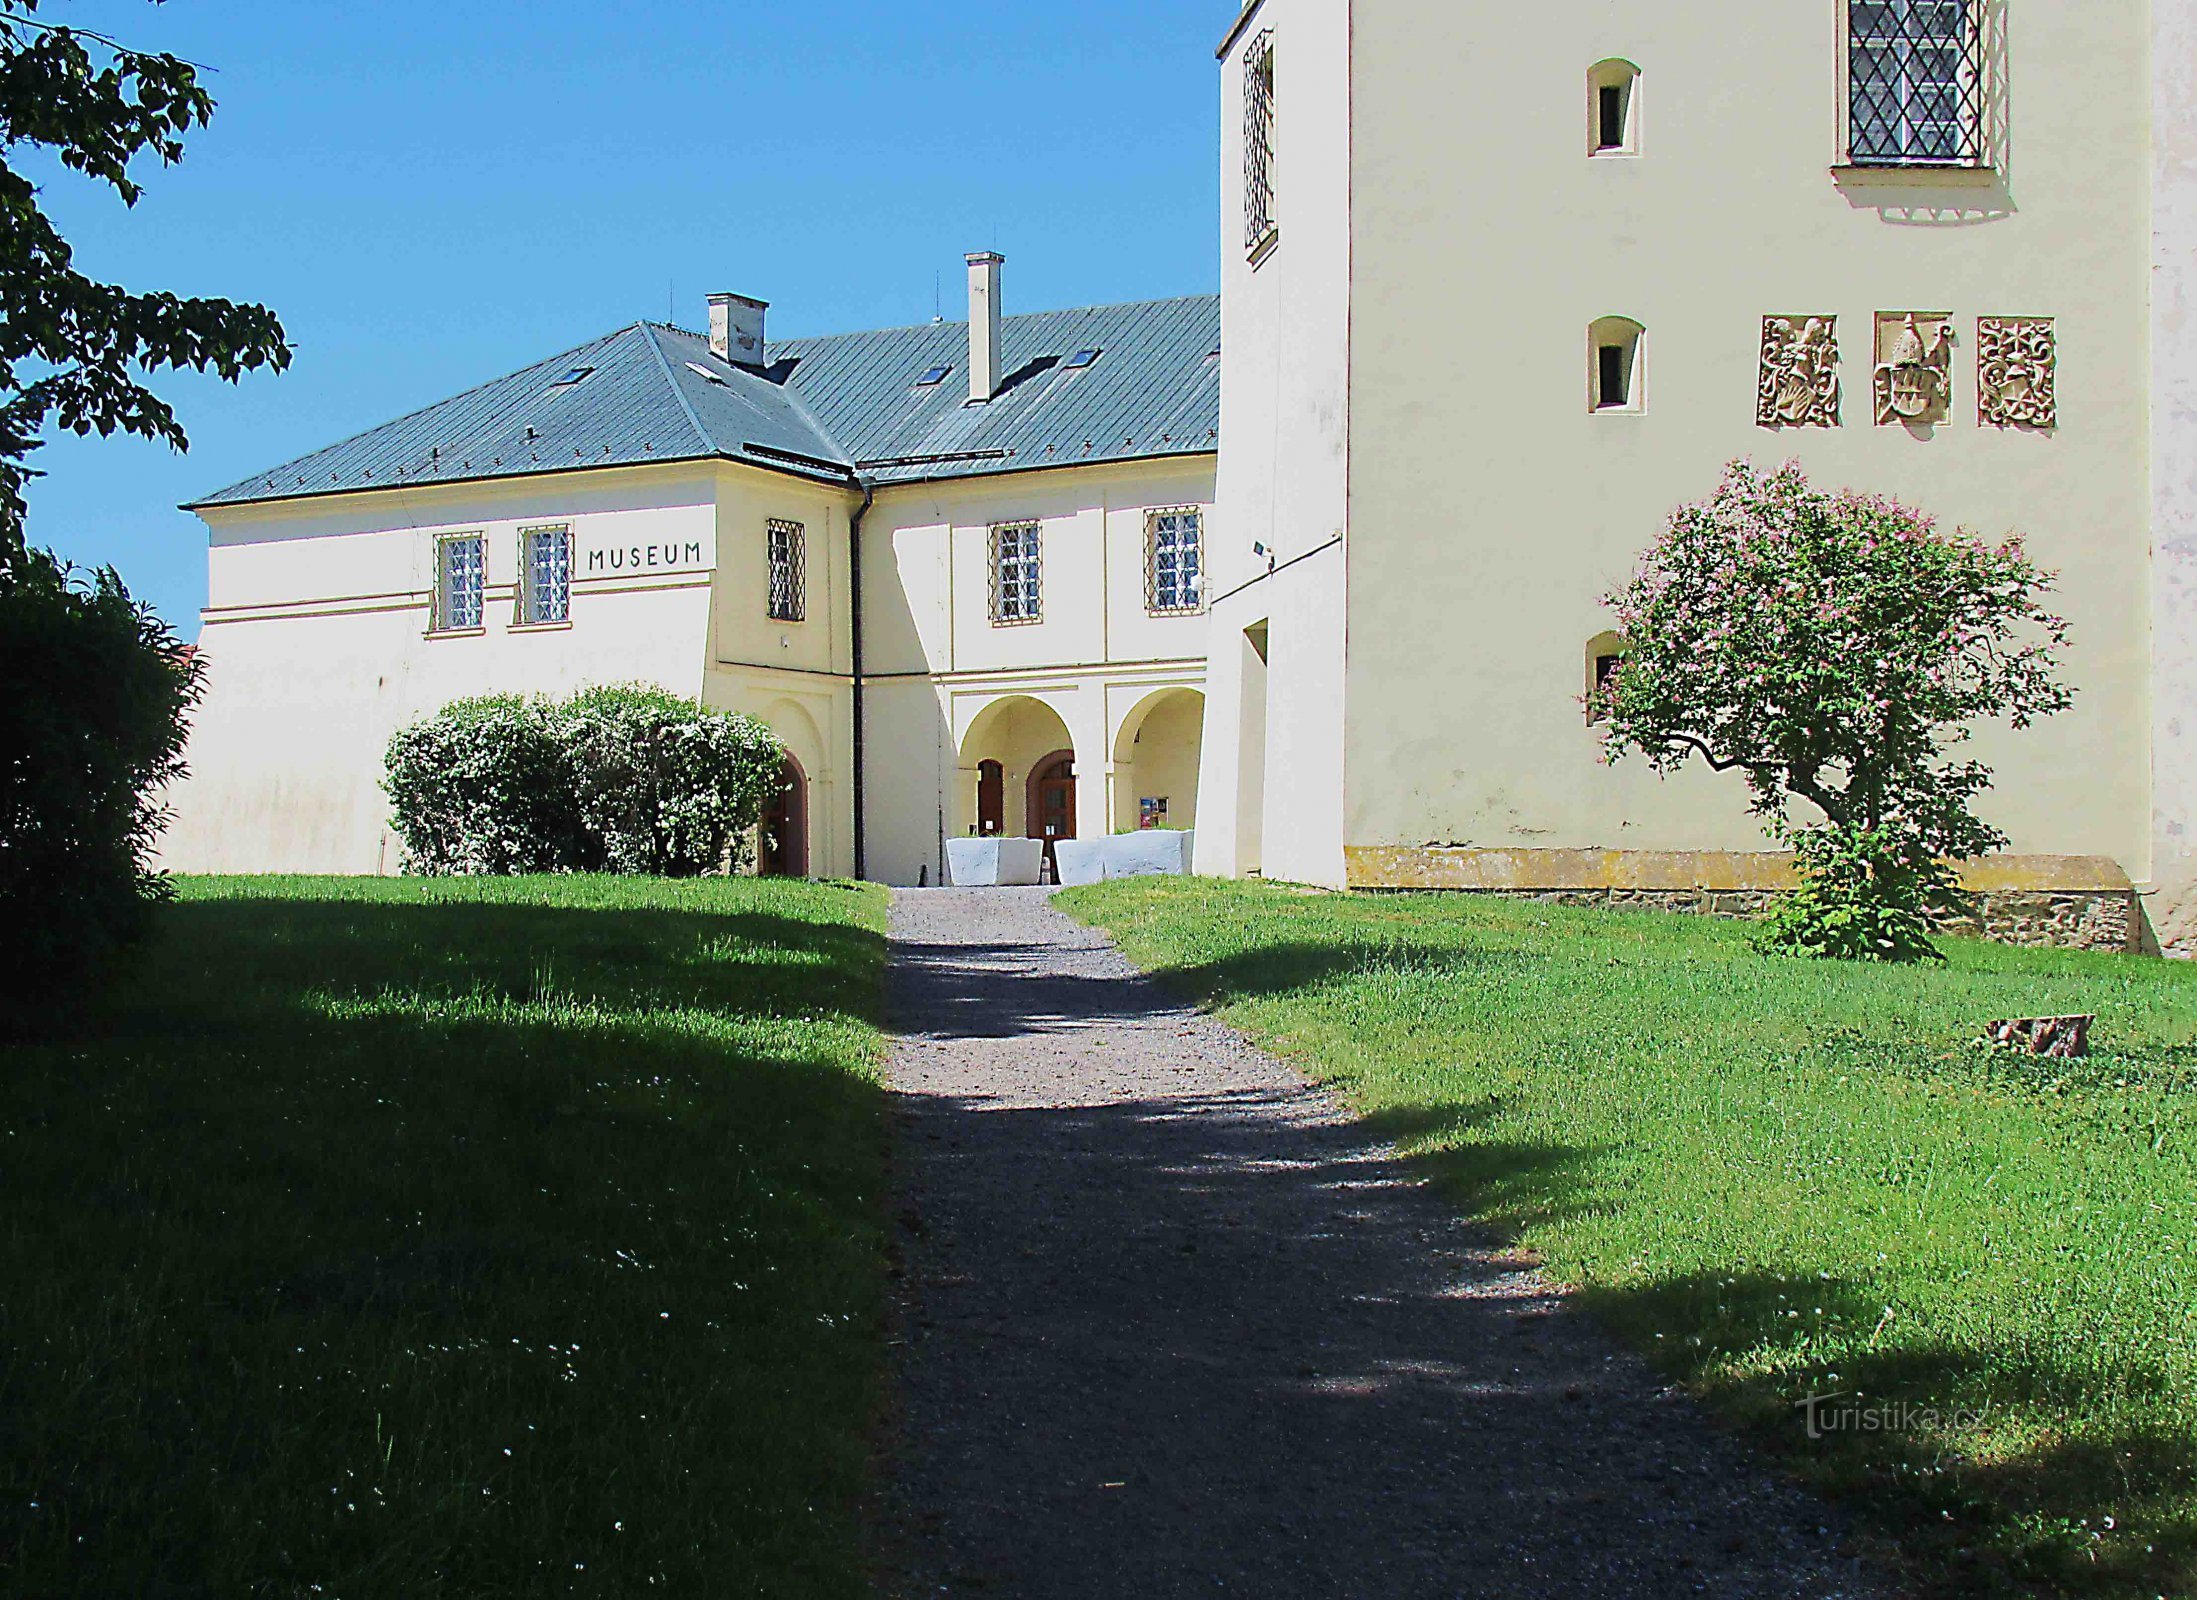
(664, 786)
(485, 787)
(540, 1220)
(67, 342)
(91, 727)
(1834, 649)
(624, 778)
(1783, 1179)
(1861, 898)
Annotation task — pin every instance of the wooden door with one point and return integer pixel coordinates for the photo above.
(1053, 803)
(991, 799)
(785, 852)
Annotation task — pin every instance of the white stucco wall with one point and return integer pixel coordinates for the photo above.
(2174, 469)
(1489, 509)
(1271, 788)
(946, 688)
(317, 643)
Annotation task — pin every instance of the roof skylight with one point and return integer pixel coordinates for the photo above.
(571, 377)
(1080, 360)
(932, 378)
(706, 375)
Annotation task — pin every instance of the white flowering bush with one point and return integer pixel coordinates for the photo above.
(663, 786)
(1834, 649)
(482, 788)
(624, 779)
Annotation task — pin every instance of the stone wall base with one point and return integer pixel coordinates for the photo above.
(2099, 921)
(2060, 902)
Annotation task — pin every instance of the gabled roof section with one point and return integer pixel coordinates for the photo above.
(1155, 390)
(645, 393)
(819, 408)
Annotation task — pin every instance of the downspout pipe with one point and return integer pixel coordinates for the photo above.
(854, 615)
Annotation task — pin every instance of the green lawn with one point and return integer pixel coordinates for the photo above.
(403, 1238)
(1786, 1178)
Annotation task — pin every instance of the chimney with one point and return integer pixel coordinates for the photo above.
(736, 328)
(984, 324)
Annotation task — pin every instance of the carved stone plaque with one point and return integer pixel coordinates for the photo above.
(2017, 360)
(1914, 373)
(1799, 383)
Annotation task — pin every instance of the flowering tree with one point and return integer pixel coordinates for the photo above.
(1834, 648)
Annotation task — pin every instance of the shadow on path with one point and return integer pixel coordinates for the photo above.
(1172, 1325)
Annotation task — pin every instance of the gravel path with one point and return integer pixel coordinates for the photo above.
(1170, 1326)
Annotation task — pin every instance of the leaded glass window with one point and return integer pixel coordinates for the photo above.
(460, 577)
(1258, 143)
(545, 565)
(1174, 560)
(789, 561)
(1017, 563)
(1915, 83)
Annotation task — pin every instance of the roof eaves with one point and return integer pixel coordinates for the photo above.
(1235, 31)
(534, 471)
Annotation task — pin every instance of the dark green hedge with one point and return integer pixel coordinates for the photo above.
(91, 728)
(624, 779)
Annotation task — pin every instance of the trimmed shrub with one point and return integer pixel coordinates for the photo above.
(627, 779)
(662, 785)
(91, 728)
(482, 788)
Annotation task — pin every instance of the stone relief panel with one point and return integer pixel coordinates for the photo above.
(2017, 361)
(1914, 373)
(1799, 382)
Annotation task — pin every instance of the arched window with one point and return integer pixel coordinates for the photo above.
(1613, 109)
(1605, 654)
(1614, 371)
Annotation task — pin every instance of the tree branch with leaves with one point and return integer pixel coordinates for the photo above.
(71, 348)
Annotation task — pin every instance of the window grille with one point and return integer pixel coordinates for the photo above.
(1915, 83)
(1258, 143)
(1174, 560)
(789, 574)
(1017, 563)
(545, 588)
(460, 577)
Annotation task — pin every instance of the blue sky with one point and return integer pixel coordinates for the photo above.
(431, 194)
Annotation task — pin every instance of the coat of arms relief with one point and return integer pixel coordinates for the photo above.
(1799, 382)
(2017, 360)
(1914, 374)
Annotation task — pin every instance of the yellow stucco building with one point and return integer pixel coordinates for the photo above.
(1499, 289)
(1502, 288)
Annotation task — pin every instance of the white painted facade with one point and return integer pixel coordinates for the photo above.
(320, 642)
(1415, 503)
(1410, 364)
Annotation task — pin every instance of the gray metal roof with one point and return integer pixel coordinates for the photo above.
(817, 408)
(1155, 389)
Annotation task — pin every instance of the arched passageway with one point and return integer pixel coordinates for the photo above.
(1018, 769)
(1156, 762)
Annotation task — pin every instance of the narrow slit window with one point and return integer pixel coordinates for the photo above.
(1605, 657)
(545, 567)
(1259, 225)
(1017, 574)
(1613, 109)
(789, 578)
(1614, 376)
(460, 582)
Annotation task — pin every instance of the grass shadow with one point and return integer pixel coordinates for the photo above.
(382, 1245)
